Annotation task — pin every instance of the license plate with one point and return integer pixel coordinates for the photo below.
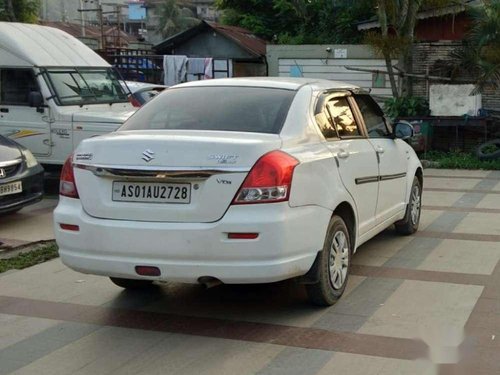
(12, 188)
(151, 192)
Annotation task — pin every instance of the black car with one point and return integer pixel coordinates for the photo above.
(21, 177)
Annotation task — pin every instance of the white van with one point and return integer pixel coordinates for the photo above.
(55, 91)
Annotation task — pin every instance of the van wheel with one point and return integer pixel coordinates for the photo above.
(132, 283)
(409, 224)
(334, 263)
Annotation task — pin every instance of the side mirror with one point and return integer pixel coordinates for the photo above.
(35, 99)
(403, 130)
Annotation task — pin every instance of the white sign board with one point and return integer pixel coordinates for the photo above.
(453, 100)
(340, 53)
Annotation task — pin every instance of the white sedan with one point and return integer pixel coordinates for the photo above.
(250, 180)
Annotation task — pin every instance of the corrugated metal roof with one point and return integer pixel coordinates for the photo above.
(34, 45)
(243, 37)
(94, 32)
(427, 13)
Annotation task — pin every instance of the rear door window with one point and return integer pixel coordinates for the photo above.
(218, 108)
(373, 116)
(325, 124)
(342, 117)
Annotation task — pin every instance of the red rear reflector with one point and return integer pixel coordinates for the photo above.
(147, 271)
(242, 236)
(74, 228)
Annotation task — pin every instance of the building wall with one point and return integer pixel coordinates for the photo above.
(67, 10)
(314, 61)
(246, 69)
(425, 58)
(451, 27)
(203, 9)
(206, 10)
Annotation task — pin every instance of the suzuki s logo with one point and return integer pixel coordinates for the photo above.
(148, 155)
(2, 173)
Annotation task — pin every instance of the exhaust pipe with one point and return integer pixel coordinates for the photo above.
(209, 281)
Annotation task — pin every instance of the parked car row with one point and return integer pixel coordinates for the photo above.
(221, 181)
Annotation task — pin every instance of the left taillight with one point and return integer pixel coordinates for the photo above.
(67, 184)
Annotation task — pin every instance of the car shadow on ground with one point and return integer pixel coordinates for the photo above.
(282, 302)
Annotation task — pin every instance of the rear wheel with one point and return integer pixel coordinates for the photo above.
(132, 283)
(409, 224)
(333, 265)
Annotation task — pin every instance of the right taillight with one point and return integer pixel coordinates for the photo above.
(269, 180)
(67, 185)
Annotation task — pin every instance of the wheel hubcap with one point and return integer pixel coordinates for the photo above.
(415, 205)
(339, 260)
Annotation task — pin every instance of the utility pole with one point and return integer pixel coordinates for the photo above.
(100, 17)
(82, 19)
(101, 22)
(118, 27)
(118, 12)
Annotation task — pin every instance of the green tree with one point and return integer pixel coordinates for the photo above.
(298, 21)
(398, 19)
(174, 17)
(19, 10)
(480, 54)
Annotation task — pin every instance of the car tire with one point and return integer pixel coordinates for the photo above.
(132, 283)
(409, 224)
(334, 263)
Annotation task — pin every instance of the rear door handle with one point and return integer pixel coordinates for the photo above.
(343, 154)
(380, 150)
(4, 110)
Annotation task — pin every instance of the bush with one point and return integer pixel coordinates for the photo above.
(407, 106)
(460, 160)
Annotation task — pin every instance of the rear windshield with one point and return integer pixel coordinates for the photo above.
(239, 109)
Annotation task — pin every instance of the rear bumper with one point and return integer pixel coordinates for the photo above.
(289, 239)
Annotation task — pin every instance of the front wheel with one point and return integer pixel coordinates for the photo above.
(333, 265)
(131, 283)
(409, 224)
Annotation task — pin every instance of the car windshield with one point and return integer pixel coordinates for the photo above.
(223, 108)
(76, 86)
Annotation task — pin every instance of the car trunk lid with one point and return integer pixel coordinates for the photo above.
(166, 176)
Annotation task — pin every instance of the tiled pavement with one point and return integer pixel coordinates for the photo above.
(424, 304)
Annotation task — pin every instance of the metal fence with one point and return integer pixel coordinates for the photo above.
(136, 65)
